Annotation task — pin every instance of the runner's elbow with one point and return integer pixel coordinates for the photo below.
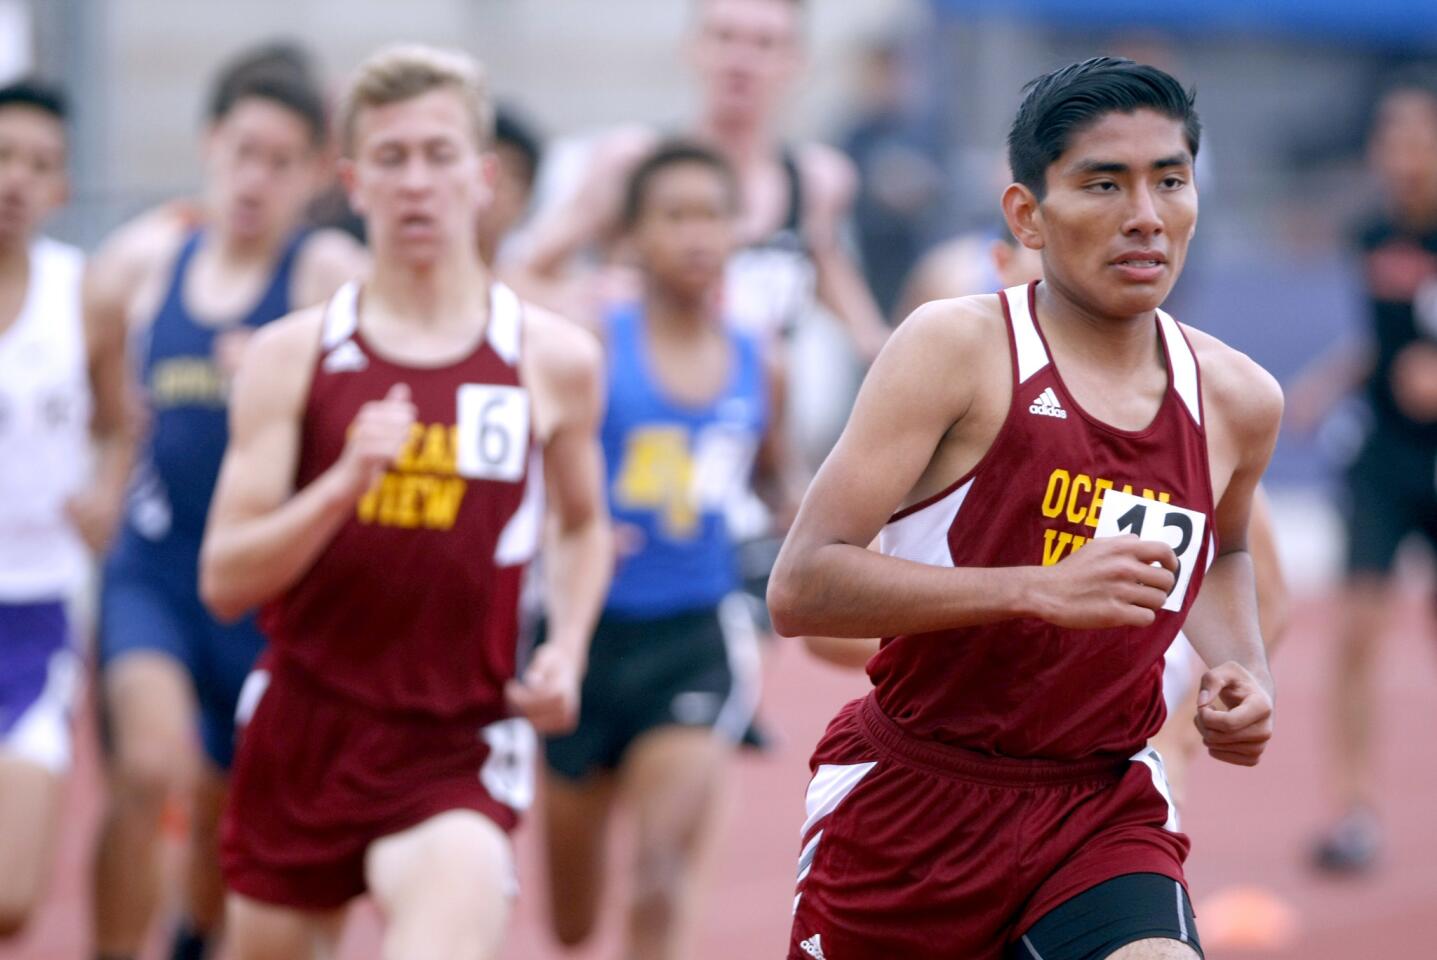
(217, 590)
(786, 601)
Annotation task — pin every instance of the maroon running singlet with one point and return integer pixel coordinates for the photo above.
(380, 702)
(997, 770)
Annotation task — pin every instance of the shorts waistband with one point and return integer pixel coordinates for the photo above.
(947, 760)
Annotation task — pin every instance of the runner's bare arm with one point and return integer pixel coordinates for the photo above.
(850, 652)
(329, 259)
(591, 212)
(1273, 601)
(1319, 386)
(827, 583)
(262, 536)
(840, 284)
(778, 479)
(1235, 698)
(578, 553)
(96, 510)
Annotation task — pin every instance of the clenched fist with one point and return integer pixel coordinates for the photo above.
(377, 435)
(1234, 714)
(548, 694)
(1109, 582)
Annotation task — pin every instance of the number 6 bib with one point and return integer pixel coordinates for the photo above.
(1178, 527)
(493, 432)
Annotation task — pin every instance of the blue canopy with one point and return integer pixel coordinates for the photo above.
(1400, 23)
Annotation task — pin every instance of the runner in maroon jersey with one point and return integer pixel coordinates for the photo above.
(994, 796)
(390, 454)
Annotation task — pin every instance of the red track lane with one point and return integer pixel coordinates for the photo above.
(1250, 828)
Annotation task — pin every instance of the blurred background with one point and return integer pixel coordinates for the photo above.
(920, 95)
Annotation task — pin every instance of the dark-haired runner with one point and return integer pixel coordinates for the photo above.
(192, 284)
(995, 795)
(60, 383)
(673, 668)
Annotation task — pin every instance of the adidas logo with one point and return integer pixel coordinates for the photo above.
(813, 948)
(347, 357)
(1047, 405)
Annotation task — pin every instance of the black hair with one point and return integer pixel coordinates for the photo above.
(281, 72)
(1407, 80)
(31, 92)
(1058, 106)
(511, 129)
(1410, 78)
(672, 154)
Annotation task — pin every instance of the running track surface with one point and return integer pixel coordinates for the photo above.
(1250, 828)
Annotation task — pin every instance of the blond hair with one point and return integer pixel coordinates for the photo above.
(404, 71)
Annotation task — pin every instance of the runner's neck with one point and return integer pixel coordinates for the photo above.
(431, 295)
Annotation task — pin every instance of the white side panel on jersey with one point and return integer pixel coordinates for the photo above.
(1184, 365)
(519, 541)
(505, 319)
(1153, 760)
(1032, 356)
(341, 317)
(1181, 666)
(922, 536)
(251, 693)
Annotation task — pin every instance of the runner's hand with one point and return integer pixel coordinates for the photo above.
(548, 694)
(94, 513)
(1109, 582)
(377, 435)
(1234, 714)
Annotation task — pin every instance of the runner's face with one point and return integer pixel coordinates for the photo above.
(262, 167)
(32, 170)
(746, 53)
(1120, 209)
(418, 176)
(685, 231)
(1403, 149)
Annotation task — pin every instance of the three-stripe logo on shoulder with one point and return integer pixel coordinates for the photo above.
(1047, 405)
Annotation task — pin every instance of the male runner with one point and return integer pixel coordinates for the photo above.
(673, 668)
(60, 384)
(747, 54)
(994, 795)
(976, 263)
(391, 454)
(192, 283)
(1390, 486)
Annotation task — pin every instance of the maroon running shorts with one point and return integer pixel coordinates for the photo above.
(919, 850)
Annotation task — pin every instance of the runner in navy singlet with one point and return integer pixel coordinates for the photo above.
(192, 283)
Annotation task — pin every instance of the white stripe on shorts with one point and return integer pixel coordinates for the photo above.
(1150, 758)
(1182, 917)
(42, 733)
(745, 667)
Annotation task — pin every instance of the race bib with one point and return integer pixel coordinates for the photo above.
(1178, 527)
(493, 432)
